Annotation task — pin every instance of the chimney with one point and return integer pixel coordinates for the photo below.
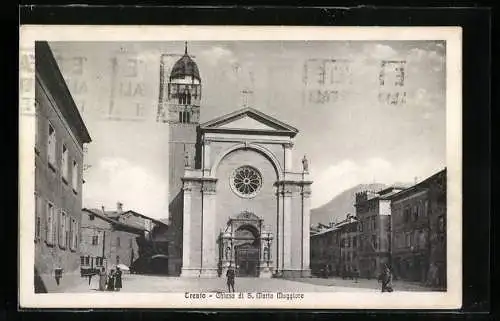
(119, 207)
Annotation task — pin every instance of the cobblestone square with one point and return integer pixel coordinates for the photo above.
(158, 284)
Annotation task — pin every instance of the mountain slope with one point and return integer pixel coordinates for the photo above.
(337, 208)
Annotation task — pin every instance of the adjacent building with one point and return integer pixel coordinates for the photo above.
(112, 237)
(60, 136)
(404, 228)
(419, 231)
(325, 251)
(106, 242)
(373, 210)
(349, 243)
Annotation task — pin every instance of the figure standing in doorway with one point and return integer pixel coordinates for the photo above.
(230, 274)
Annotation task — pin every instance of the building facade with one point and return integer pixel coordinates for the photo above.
(419, 231)
(60, 137)
(349, 244)
(106, 242)
(234, 197)
(325, 252)
(373, 211)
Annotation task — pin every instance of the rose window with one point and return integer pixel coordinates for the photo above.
(246, 181)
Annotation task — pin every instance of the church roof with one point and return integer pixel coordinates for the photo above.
(249, 119)
(185, 67)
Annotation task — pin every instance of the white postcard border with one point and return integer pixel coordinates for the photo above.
(450, 299)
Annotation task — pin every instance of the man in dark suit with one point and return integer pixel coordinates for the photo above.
(230, 274)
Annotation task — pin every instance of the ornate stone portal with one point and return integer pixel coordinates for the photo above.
(246, 246)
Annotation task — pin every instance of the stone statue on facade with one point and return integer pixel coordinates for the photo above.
(186, 158)
(305, 164)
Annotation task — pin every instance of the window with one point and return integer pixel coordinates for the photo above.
(95, 239)
(75, 236)
(422, 240)
(67, 236)
(51, 147)
(62, 229)
(38, 217)
(50, 230)
(406, 215)
(75, 176)
(426, 208)
(37, 126)
(118, 241)
(441, 224)
(415, 213)
(408, 239)
(64, 163)
(374, 242)
(354, 242)
(98, 261)
(87, 260)
(82, 260)
(246, 181)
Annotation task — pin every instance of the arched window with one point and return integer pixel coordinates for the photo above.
(188, 120)
(180, 117)
(188, 98)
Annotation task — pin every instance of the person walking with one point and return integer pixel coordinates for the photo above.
(111, 281)
(118, 279)
(102, 279)
(386, 279)
(230, 275)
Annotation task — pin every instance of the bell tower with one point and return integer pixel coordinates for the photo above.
(179, 106)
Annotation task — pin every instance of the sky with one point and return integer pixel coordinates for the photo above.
(360, 121)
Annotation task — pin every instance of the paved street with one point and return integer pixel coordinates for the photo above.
(363, 284)
(158, 284)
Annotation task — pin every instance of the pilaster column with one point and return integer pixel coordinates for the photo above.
(288, 156)
(279, 230)
(206, 156)
(209, 248)
(186, 231)
(306, 222)
(287, 227)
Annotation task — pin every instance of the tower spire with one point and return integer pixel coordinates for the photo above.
(185, 47)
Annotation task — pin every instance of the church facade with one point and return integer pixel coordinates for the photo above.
(234, 197)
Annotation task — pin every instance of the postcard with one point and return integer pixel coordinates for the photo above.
(240, 167)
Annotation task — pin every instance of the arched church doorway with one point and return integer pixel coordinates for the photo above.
(247, 251)
(246, 246)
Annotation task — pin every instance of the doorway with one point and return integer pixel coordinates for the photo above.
(247, 251)
(247, 260)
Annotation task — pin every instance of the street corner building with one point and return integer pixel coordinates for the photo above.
(235, 199)
(60, 137)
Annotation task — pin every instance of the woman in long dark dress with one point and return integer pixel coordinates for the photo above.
(118, 279)
(111, 281)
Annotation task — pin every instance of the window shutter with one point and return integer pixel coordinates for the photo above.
(50, 224)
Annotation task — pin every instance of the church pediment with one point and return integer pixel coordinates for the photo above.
(248, 119)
